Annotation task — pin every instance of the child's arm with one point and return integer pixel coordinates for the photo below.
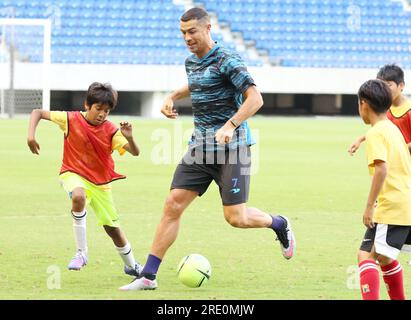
(127, 131)
(36, 116)
(376, 185)
(355, 145)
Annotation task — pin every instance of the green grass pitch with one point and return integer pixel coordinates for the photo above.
(304, 172)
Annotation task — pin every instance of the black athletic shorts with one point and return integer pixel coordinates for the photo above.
(230, 169)
(388, 239)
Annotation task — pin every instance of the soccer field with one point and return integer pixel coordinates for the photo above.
(302, 170)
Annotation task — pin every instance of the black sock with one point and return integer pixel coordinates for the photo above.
(149, 276)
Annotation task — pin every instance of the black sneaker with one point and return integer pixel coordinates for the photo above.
(135, 272)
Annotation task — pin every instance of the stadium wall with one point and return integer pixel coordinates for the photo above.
(284, 88)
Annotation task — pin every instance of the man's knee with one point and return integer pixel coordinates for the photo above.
(236, 222)
(235, 217)
(172, 207)
(176, 202)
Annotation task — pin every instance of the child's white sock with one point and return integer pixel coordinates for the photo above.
(79, 228)
(126, 254)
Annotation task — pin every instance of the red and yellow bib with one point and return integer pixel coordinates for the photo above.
(87, 150)
(401, 117)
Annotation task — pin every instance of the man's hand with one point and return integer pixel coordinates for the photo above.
(367, 217)
(126, 129)
(168, 109)
(225, 134)
(33, 145)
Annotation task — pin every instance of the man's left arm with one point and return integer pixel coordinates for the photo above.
(253, 101)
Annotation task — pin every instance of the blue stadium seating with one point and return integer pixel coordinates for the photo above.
(322, 33)
(106, 31)
(295, 33)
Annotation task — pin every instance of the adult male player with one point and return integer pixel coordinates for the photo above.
(219, 149)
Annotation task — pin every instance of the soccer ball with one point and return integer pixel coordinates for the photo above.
(194, 270)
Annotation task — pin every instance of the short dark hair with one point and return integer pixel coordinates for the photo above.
(101, 93)
(391, 72)
(377, 94)
(195, 14)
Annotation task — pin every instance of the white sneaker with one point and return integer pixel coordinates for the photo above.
(141, 283)
(78, 261)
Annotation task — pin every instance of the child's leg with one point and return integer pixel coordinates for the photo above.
(393, 277)
(78, 211)
(389, 241)
(369, 276)
(122, 245)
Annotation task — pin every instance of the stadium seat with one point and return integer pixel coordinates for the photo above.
(300, 33)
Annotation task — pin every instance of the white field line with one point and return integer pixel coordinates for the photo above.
(47, 216)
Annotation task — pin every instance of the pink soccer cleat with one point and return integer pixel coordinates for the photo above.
(287, 239)
(140, 283)
(78, 261)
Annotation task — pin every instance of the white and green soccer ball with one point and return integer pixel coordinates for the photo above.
(194, 270)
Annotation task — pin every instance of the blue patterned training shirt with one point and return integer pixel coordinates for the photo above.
(217, 82)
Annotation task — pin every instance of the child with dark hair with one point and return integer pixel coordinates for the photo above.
(88, 168)
(398, 113)
(387, 214)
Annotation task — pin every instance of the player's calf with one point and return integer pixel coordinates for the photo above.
(123, 247)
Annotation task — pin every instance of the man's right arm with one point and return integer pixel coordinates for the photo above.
(36, 116)
(168, 105)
